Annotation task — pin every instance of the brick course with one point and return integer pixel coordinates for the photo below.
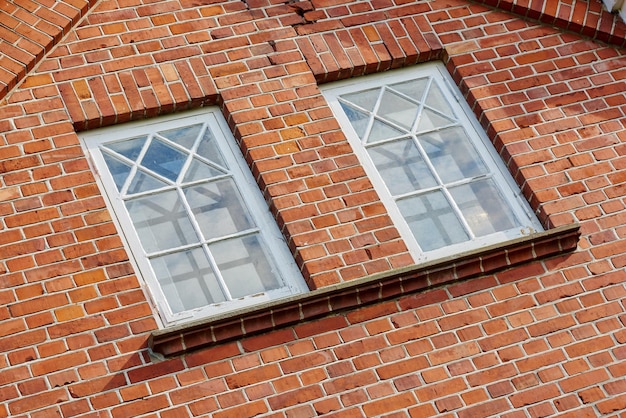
(504, 335)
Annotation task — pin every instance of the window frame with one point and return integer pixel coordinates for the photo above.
(288, 274)
(510, 191)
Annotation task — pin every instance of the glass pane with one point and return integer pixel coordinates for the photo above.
(432, 221)
(164, 160)
(437, 100)
(430, 120)
(412, 88)
(365, 99)
(218, 208)
(397, 109)
(187, 280)
(401, 166)
(208, 149)
(358, 119)
(381, 131)
(144, 182)
(129, 148)
(483, 207)
(161, 221)
(452, 154)
(199, 170)
(244, 266)
(118, 169)
(183, 136)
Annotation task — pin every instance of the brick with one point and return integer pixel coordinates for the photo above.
(329, 324)
(38, 401)
(305, 362)
(454, 353)
(503, 339)
(40, 215)
(402, 367)
(511, 305)
(550, 326)
(197, 391)
(23, 247)
(587, 347)
(251, 377)
(413, 333)
(156, 370)
(76, 326)
(463, 319)
(615, 404)
(389, 404)
(38, 304)
(494, 407)
(535, 395)
(348, 382)
(249, 409)
(295, 397)
(59, 363)
(440, 390)
(16, 164)
(148, 404)
(559, 293)
(583, 380)
(539, 361)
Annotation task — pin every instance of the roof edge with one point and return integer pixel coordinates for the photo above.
(24, 43)
(585, 17)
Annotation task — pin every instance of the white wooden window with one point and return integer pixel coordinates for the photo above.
(442, 182)
(613, 5)
(194, 219)
(616, 6)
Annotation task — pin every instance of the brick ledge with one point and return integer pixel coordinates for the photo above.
(181, 339)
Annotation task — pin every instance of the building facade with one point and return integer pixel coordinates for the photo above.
(299, 208)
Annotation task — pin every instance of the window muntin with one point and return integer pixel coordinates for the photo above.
(194, 219)
(441, 179)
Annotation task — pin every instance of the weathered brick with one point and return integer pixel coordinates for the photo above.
(402, 367)
(439, 390)
(298, 396)
(253, 376)
(197, 391)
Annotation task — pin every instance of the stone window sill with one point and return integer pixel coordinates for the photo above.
(184, 338)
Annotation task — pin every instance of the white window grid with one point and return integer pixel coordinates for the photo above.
(368, 123)
(262, 225)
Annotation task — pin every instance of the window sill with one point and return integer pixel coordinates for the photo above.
(181, 339)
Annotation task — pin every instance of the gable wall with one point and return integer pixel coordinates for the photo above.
(540, 338)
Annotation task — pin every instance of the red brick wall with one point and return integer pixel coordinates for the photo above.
(542, 338)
